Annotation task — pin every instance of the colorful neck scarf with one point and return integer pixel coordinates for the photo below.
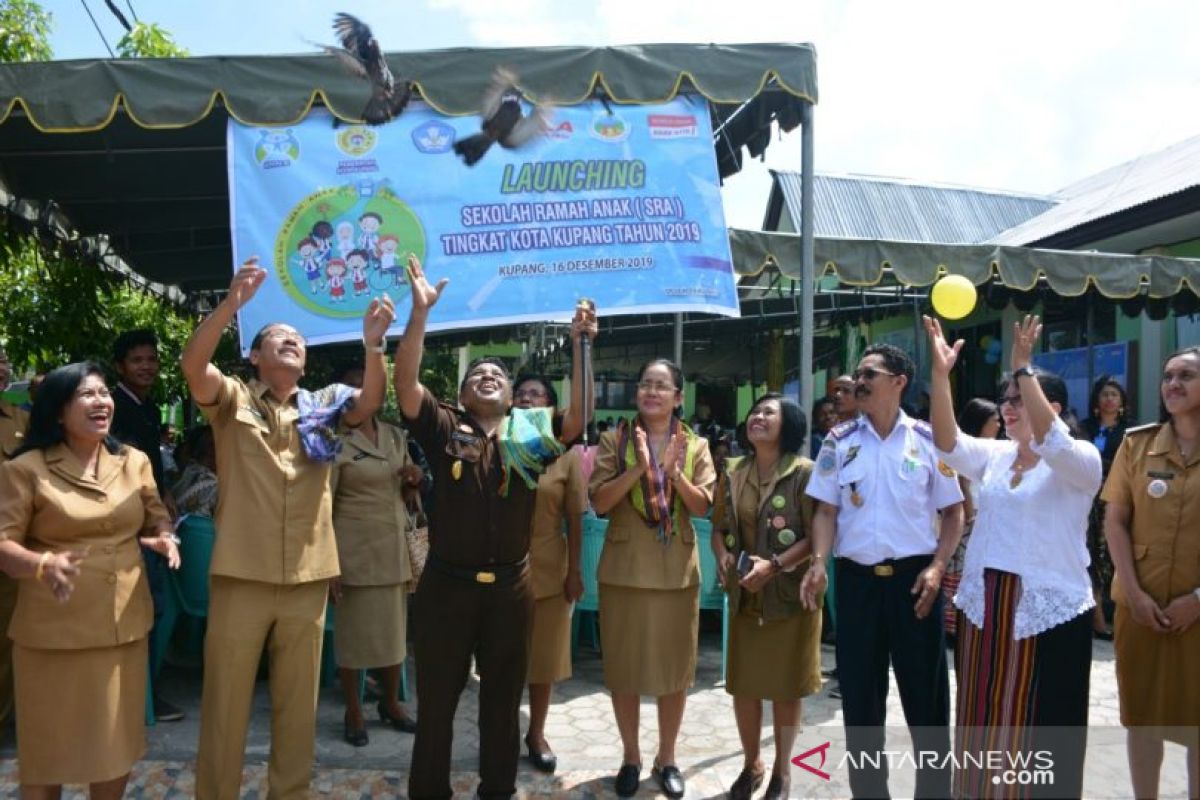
(663, 504)
(527, 444)
(320, 412)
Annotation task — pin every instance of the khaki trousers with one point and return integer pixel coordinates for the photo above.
(242, 617)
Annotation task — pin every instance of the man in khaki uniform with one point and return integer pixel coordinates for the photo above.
(275, 550)
(13, 422)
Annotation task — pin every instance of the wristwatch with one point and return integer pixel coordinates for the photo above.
(778, 564)
(1023, 372)
(380, 348)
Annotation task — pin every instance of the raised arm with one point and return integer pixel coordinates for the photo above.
(407, 373)
(1037, 407)
(941, 405)
(584, 323)
(203, 378)
(376, 321)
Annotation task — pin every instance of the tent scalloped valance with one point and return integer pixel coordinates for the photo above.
(864, 262)
(78, 96)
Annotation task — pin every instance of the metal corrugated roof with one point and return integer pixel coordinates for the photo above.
(866, 207)
(1142, 180)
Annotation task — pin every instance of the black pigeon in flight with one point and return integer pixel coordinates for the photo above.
(361, 54)
(503, 120)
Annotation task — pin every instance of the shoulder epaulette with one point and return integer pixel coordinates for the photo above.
(1148, 428)
(924, 428)
(843, 429)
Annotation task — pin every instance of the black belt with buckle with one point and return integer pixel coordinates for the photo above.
(889, 566)
(490, 574)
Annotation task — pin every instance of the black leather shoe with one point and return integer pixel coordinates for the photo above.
(628, 778)
(747, 783)
(670, 780)
(402, 724)
(777, 788)
(543, 762)
(355, 736)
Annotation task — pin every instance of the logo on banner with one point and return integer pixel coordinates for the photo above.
(433, 137)
(356, 141)
(276, 148)
(338, 248)
(609, 127)
(672, 126)
(562, 130)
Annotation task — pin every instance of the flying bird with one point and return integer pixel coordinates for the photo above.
(360, 53)
(503, 120)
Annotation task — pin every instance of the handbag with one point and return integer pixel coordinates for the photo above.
(417, 535)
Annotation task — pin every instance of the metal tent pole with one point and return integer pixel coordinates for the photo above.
(807, 258)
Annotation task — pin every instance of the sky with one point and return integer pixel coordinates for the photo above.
(1022, 96)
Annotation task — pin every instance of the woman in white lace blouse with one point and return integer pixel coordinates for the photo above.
(1026, 645)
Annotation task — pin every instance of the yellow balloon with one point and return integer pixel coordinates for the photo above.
(953, 297)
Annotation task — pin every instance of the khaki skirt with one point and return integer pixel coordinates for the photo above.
(648, 638)
(550, 650)
(370, 626)
(81, 714)
(775, 660)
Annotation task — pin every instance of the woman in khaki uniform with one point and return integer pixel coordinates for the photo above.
(651, 478)
(554, 572)
(1152, 523)
(774, 651)
(74, 506)
(369, 520)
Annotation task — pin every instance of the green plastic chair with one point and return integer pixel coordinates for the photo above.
(588, 608)
(712, 596)
(187, 587)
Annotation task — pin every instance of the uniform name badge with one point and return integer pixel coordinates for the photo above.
(855, 497)
(1157, 488)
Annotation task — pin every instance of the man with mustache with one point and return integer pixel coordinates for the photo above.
(475, 597)
(881, 487)
(275, 550)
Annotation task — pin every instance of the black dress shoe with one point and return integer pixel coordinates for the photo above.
(778, 788)
(628, 778)
(670, 780)
(402, 724)
(543, 762)
(355, 736)
(747, 784)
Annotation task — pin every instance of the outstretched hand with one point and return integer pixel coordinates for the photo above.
(1025, 336)
(943, 354)
(584, 323)
(424, 294)
(245, 282)
(378, 318)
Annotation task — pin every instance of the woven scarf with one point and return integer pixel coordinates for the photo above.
(663, 503)
(527, 444)
(320, 412)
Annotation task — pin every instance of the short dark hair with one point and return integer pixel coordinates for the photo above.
(793, 425)
(131, 340)
(493, 360)
(551, 394)
(895, 359)
(1103, 382)
(1055, 390)
(56, 391)
(975, 415)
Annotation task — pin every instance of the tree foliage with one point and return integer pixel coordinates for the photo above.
(24, 31)
(148, 40)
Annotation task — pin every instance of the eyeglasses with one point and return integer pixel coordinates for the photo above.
(1013, 400)
(530, 394)
(655, 387)
(870, 373)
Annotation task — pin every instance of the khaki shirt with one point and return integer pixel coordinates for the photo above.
(633, 556)
(274, 508)
(369, 517)
(561, 495)
(48, 503)
(1165, 530)
(13, 424)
